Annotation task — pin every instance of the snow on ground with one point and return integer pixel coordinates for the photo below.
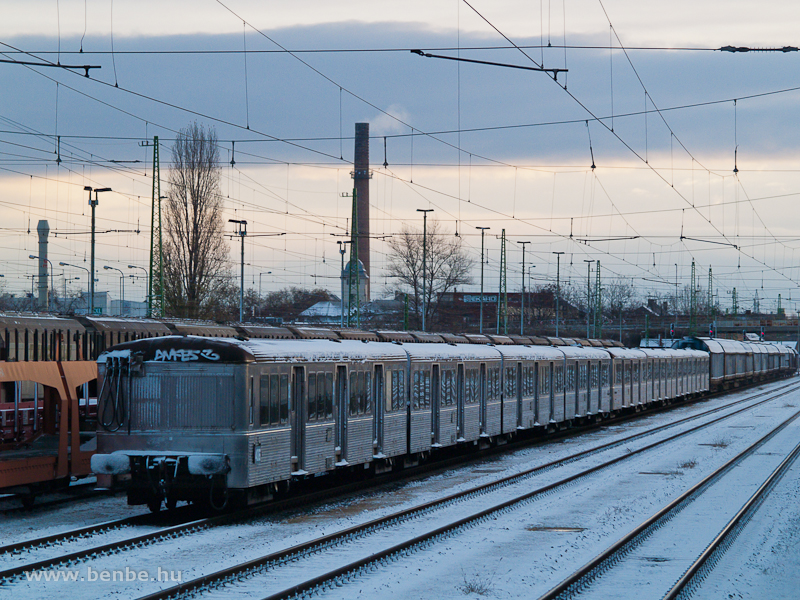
(516, 555)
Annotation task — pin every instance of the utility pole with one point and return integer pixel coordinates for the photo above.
(122, 286)
(522, 299)
(676, 291)
(424, 212)
(502, 293)
(483, 231)
(558, 286)
(588, 291)
(693, 302)
(710, 294)
(93, 204)
(155, 282)
(241, 232)
(598, 307)
(354, 261)
(342, 250)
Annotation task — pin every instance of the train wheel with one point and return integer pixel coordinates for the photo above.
(171, 502)
(28, 500)
(154, 504)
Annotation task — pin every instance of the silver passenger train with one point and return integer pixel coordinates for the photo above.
(188, 418)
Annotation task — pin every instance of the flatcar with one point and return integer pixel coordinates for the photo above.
(214, 420)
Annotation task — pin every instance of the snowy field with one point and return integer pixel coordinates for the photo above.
(520, 554)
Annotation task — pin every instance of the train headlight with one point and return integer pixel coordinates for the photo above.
(257, 453)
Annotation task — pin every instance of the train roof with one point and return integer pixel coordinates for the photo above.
(584, 353)
(444, 352)
(38, 322)
(625, 352)
(532, 352)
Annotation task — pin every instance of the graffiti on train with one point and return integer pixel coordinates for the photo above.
(185, 355)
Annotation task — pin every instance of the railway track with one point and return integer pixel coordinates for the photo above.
(188, 518)
(317, 550)
(74, 493)
(712, 529)
(197, 525)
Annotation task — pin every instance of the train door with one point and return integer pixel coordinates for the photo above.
(460, 401)
(298, 416)
(435, 405)
(342, 403)
(482, 384)
(379, 396)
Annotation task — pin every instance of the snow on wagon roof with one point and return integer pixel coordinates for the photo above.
(320, 350)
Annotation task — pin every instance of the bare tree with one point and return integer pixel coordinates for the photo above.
(447, 266)
(194, 249)
(619, 295)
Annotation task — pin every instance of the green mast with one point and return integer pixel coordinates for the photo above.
(155, 284)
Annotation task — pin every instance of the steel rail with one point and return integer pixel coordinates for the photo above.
(603, 561)
(724, 538)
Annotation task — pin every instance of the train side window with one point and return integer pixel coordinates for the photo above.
(544, 380)
(326, 411)
(274, 400)
(312, 397)
(284, 406)
(425, 401)
(511, 382)
(447, 388)
(558, 378)
(366, 394)
(263, 401)
(582, 376)
(401, 387)
(353, 393)
(570, 378)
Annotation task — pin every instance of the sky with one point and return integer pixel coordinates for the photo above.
(694, 149)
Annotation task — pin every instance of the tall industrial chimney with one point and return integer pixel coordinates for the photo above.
(44, 230)
(362, 175)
